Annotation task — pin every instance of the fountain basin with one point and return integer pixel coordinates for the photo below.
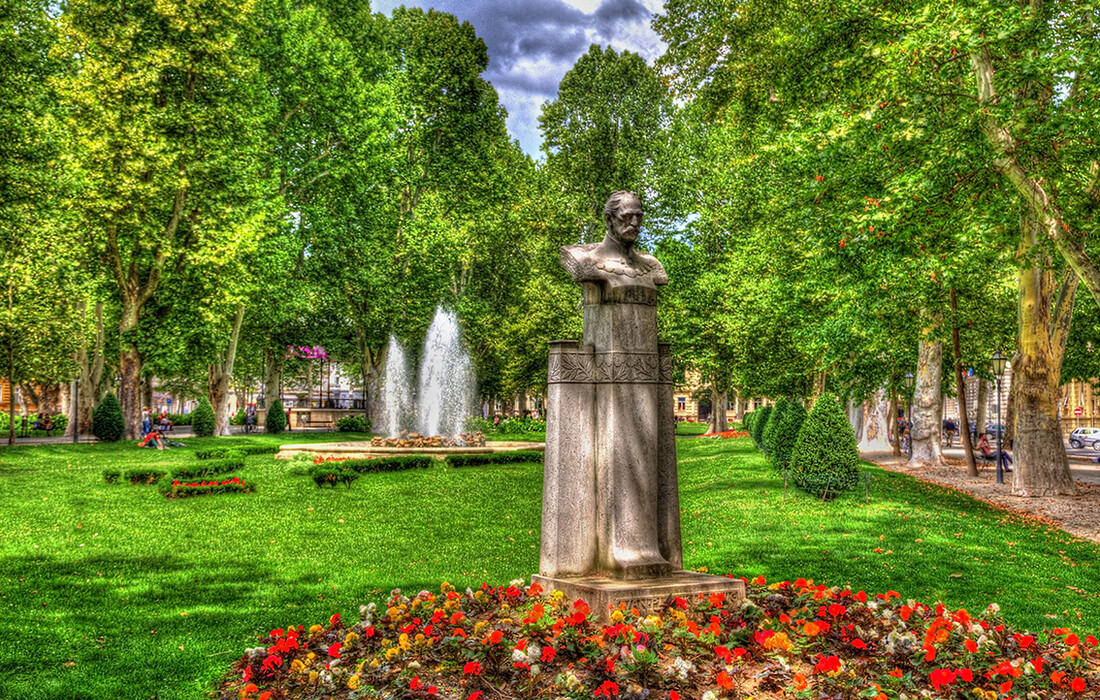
(363, 449)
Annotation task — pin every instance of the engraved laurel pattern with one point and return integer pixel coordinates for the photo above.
(570, 368)
(626, 367)
(666, 369)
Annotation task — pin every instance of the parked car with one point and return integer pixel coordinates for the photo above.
(994, 430)
(1085, 437)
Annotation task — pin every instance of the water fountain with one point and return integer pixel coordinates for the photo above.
(445, 395)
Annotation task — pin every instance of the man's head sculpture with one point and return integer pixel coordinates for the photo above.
(623, 216)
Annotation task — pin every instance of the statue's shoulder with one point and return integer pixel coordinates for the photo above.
(656, 269)
(578, 261)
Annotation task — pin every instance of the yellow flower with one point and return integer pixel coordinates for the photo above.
(450, 605)
(557, 597)
(353, 683)
(393, 613)
(392, 653)
(403, 641)
(316, 629)
(617, 616)
(778, 641)
(479, 626)
(297, 666)
(313, 676)
(350, 639)
(386, 643)
(374, 662)
(311, 656)
(446, 587)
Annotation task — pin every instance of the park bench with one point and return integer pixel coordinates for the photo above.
(305, 421)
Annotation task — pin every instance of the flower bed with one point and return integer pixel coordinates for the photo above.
(180, 489)
(800, 640)
(726, 434)
(330, 475)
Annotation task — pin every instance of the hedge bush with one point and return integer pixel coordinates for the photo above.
(202, 419)
(353, 424)
(786, 434)
(390, 464)
(174, 488)
(108, 424)
(475, 460)
(767, 435)
(825, 459)
(758, 425)
(210, 469)
(236, 451)
(332, 473)
(141, 476)
(275, 419)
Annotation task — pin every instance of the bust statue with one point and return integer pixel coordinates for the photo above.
(626, 276)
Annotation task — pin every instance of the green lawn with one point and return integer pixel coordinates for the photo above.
(115, 592)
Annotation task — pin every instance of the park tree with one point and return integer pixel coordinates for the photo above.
(39, 323)
(906, 80)
(605, 131)
(166, 122)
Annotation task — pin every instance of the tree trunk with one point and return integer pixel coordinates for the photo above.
(1041, 467)
(221, 374)
(981, 416)
(873, 435)
(960, 387)
(928, 403)
(273, 376)
(49, 399)
(895, 444)
(129, 369)
(147, 393)
(718, 401)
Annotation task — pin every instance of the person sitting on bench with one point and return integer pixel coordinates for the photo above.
(988, 453)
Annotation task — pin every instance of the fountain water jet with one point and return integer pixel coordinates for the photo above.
(445, 394)
(396, 397)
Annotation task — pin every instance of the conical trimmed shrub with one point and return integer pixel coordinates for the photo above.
(758, 425)
(825, 459)
(108, 425)
(786, 435)
(202, 419)
(746, 421)
(767, 436)
(275, 420)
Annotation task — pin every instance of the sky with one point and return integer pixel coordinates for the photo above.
(533, 44)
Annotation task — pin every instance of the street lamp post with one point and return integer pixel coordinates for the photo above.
(999, 364)
(910, 380)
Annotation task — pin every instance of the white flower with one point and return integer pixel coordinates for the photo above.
(709, 695)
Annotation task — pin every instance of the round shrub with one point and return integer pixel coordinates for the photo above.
(767, 435)
(786, 434)
(275, 421)
(353, 424)
(202, 419)
(747, 420)
(825, 459)
(759, 423)
(107, 422)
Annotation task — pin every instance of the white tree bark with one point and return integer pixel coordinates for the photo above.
(873, 434)
(928, 405)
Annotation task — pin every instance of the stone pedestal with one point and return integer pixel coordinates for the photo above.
(648, 595)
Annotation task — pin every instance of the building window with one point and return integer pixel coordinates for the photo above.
(681, 404)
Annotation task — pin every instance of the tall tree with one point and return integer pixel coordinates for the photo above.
(605, 131)
(166, 118)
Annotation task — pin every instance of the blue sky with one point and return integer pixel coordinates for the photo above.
(533, 43)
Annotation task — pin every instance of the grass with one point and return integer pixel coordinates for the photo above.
(692, 428)
(114, 591)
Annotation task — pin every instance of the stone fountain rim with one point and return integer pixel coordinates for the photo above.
(365, 449)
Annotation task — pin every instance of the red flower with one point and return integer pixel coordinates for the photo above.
(724, 680)
(724, 654)
(896, 673)
(859, 644)
(334, 620)
(476, 695)
(827, 664)
(334, 650)
(1073, 640)
(607, 688)
(548, 654)
(966, 674)
(941, 676)
(1023, 640)
(473, 668)
(1078, 685)
(495, 636)
(1037, 664)
(970, 646)
(1057, 677)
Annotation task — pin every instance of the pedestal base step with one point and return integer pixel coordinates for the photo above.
(647, 595)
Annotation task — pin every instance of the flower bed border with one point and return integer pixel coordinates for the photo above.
(173, 488)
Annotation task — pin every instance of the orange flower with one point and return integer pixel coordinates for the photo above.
(778, 641)
(724, 680)
(811, 630)
(800, 682)
(971, 646)
(1057, 676)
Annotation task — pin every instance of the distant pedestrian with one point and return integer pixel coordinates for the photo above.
(146, 421)
(288, 420)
